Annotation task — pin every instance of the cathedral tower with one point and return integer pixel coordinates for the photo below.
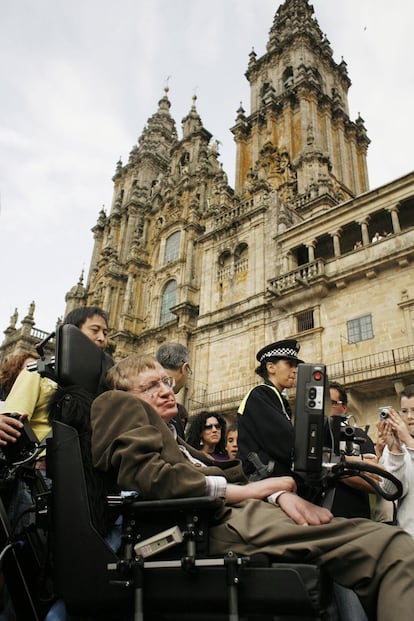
(298, 135)
(144, 259)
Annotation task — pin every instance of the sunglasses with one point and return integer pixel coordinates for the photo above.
(213, 425)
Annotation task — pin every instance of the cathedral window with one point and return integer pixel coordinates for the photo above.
(225, 265)
(287, 78)
(241, 258)
(305, 320)
(172, 247)
(184, 161)
(360, 329)
(168, 300)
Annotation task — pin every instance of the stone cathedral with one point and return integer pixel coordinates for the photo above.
(290, 251)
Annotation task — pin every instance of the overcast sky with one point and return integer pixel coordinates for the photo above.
(79, 79)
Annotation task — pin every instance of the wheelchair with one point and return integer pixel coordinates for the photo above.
(162, 569)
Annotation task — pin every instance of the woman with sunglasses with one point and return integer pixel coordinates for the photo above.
(207, 433)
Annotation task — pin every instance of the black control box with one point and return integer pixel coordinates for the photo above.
(312, 392)
(26, 446)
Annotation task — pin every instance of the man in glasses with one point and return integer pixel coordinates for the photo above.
(351, 495)
(133, 441)
(174, 357)
(397, 434)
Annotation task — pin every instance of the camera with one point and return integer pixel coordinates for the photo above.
(384, 412)
(25, 447)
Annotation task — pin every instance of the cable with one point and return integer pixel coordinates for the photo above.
(347, 469)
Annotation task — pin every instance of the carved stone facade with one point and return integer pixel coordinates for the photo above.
(183, 256)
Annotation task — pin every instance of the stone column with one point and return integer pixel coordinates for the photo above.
(364, 232)
(337, 246)
(395, 219)
(285, 263)
(311, 251)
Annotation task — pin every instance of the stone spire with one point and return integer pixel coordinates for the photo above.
(160, 133)
(192, 122)
(294, 18)
(300, 113)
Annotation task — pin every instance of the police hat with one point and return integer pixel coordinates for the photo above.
(285, 350)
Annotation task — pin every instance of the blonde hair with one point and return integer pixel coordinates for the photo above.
(120, 375)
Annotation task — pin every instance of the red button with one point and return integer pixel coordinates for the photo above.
(317, 375)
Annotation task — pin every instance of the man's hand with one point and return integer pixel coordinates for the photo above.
(9, 429)
(358, 483)
(303, 512)
(259, 489)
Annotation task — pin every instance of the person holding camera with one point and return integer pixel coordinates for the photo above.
(396, 434)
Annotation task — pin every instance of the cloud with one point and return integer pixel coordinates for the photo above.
(80, 79)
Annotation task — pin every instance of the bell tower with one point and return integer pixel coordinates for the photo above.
(298, 136)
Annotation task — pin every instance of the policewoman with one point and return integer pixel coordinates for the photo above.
(265, 427)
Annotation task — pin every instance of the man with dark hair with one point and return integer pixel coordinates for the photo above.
(175, 358)
(92, 321)
(351, 495)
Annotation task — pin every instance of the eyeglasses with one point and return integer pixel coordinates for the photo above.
(334, 402)
(406, 411)
(213, 426)
(151, 388)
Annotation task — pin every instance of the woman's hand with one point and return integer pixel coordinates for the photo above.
(9, 429)
(386, 435)
(381, 442)
(400, 428)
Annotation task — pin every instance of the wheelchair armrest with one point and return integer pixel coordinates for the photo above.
(198, 504)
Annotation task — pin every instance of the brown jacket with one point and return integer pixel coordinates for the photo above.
(131, 440)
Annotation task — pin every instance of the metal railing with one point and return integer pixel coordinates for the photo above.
(373, 366)
(222, 399)
(394, 362)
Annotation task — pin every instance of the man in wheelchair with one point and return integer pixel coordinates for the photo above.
(134, 445)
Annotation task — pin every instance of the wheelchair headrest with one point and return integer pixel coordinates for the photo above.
(78, 361)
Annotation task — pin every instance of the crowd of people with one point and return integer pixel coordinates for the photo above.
(165, 453)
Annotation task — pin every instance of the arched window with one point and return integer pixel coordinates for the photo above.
(241, 251)
(241, 257)
(169, 299)
(287, 77)
(172, 247)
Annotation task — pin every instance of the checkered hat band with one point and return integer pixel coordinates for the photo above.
(280, 353)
